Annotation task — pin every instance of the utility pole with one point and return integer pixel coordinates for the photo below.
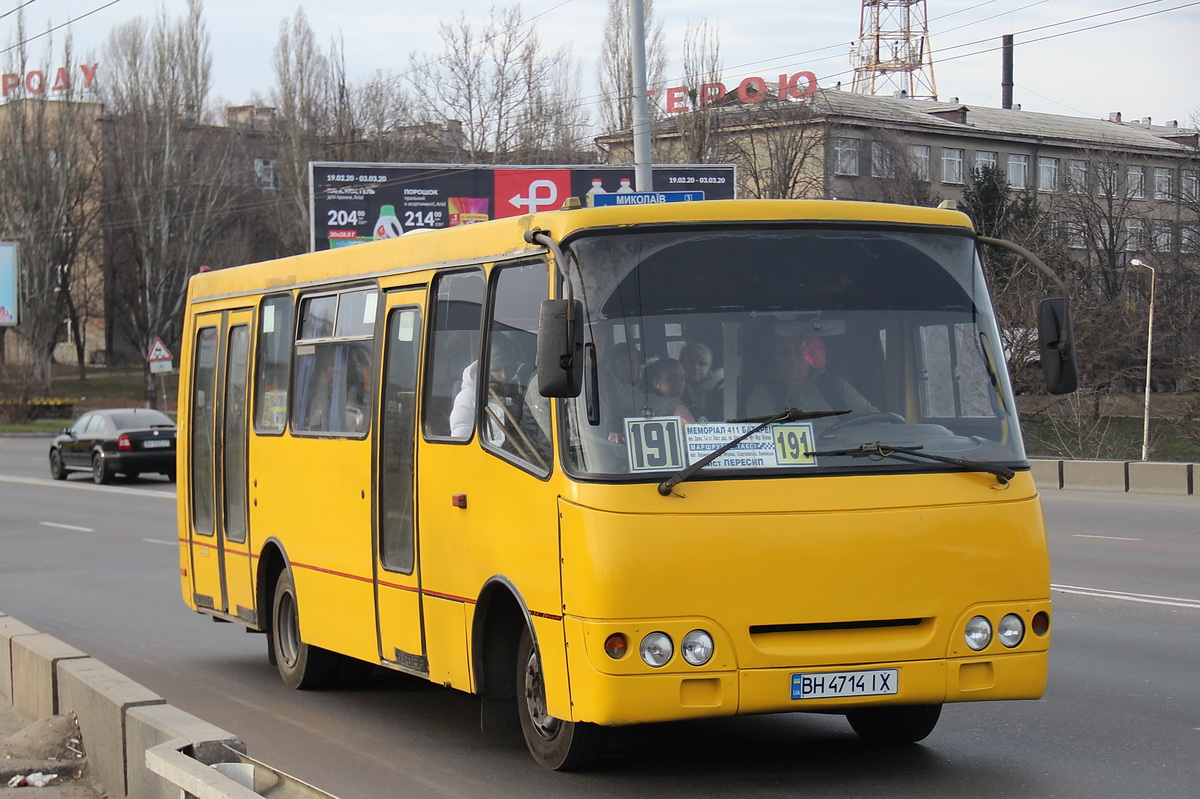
(643, 171)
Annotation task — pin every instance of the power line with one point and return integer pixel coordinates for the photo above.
(18, 8)
(51, 30)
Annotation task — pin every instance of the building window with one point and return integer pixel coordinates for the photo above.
(881, 160)
(1189, 240)
(1163, 235)
(1075, 237)
(845, 156)
(985, 158)
(1077, 177)
(1135, 182)
(919, 154)
(952, 165)
(264, 173)
(1164, 180)
(1106, 180)
(1047, 174)
(1190, 184)
(1018, 171)
(1135, 233)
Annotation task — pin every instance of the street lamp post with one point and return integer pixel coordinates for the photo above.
(1149, 347)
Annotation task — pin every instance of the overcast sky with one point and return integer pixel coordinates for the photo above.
(1141, 60)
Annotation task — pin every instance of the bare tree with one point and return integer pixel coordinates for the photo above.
(779, 148)
(615, 68)
(503, 96)
(306, 98)
(698, 126)
(46, 178)
(168, 178)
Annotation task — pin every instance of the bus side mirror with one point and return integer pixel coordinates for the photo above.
(560, 348)
(1056, 342)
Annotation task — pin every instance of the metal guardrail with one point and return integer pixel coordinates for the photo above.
(236, 776)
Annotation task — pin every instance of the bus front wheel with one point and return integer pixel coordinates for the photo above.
(901, 724)
(300, 665)
(554, 743)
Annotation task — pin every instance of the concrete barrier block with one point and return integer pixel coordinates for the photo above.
(1147, 477)
(1047, 474)
(1095, 476)
(35, 659)
(100, 697)
(10, 628)
(149, 726)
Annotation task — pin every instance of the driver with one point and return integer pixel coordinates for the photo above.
(799, 380)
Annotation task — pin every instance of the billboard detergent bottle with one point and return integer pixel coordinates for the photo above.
(597, 188)
(387, 226)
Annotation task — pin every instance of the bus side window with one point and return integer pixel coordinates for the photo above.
(274, 360)
(454, 346)
(333, 381)
(515, 419)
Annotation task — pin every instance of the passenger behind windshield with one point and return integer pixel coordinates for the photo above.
(799, 380)
(665, 378)
(621, 367)
(705, 390)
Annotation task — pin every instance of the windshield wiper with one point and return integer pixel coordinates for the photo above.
(1003, 473)
(789, 415)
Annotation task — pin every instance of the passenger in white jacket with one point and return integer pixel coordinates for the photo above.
(462, 415)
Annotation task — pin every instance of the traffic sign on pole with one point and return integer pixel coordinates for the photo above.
(159, 357)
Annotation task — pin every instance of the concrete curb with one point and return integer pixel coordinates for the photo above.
(122, 722)
(1126, 477)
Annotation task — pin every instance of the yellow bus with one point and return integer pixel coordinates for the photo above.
(612, 466)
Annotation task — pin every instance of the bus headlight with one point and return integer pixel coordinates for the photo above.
(697, 647)
(1010, 630)
(978, 633)
(657, 649)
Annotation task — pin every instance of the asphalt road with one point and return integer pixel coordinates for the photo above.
(98, 568)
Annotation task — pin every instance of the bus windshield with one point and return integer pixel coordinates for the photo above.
(882, 337)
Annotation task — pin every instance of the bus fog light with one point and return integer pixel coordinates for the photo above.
(697, 647)
(978, 633)
(657, 649)
(616, 646)
(1041, 623)
(1010, 630)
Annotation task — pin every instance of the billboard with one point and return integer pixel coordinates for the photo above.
(353, 203)
(10, 295)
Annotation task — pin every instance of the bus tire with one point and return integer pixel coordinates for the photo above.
(901, 724)
(554, 743)
(300, 665)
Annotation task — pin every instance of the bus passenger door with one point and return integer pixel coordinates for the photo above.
(220, 562)
(237, 565)
(397, 557)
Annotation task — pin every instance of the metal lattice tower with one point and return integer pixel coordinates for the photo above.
(893, 52)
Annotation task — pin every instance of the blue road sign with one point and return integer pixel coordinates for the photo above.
(648, 198)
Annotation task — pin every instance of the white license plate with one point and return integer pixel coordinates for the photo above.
(155, 443)
(834, 684)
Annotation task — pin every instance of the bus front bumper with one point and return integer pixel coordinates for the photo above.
(615, 700)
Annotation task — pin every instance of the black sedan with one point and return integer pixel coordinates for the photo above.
(126, 441)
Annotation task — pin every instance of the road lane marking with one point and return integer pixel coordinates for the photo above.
(1105, 537)
(157, 541)
(68, 527)
(1150, 599)
(136, 492)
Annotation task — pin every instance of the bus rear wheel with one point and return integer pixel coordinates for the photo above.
(902, 724)
(554, 743)
(301, 665)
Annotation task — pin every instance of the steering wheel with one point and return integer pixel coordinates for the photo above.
(866, 418)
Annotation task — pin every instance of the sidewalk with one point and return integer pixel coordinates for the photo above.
(47, 746)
